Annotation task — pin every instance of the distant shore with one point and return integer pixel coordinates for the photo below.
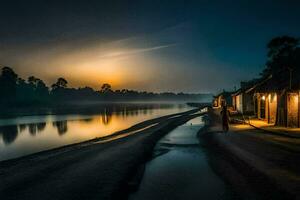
(84, 107)
(79, 108)
(99, 168)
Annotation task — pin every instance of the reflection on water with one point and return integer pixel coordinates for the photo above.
(106, 117)
(9, 133)
(36, 127)
(62, 126)
(24, 135)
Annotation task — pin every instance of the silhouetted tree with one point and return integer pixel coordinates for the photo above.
(34, 91)
(8, 84)
(280, 53)
(281, 46)
(24, 93)
(60, 83)
(106, 88)
(38, 89)
(41, 89)
(32, 81)
(59, 89)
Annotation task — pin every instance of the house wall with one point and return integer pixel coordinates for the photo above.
(215, 102)
(239, 103)
(262, 108)
(234, 102)
(225, 101)
(248, 104)
(282, 110)
(220, 101)
(243, 103)
(292, 110)
(258, 105)
(229, 101)
(266, 107)
(286, 104)
(272, 107)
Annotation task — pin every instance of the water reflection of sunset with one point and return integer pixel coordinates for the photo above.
(26, 135)
(99, 128)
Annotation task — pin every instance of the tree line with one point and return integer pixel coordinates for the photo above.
(283, 64)
(283, 60)
(16, 91)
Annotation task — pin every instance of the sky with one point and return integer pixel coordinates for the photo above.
(155, 45)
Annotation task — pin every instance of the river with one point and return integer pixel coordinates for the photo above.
(24, 135)
(180, 169)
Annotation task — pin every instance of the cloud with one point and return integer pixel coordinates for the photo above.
(119, 54)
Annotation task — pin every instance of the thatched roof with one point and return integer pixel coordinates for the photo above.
(277, 82)
(245, 86)
(261, 85)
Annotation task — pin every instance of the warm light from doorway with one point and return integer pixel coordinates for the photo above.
(275, 97)
(295, 98)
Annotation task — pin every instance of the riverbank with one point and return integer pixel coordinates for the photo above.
(269, 162)
(95, 169)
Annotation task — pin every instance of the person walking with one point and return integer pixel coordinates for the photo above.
(225, 118)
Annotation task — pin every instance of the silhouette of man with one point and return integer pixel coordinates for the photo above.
(225, 118)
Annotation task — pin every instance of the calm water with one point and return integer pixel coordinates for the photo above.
(29, 134)
(180, 164)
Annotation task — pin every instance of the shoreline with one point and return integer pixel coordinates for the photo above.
(112, 164)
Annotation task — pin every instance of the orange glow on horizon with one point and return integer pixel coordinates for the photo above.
(123, 64)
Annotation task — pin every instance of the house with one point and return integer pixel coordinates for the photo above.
(217, 101)
(266, 103)
(243, 100)
(223, 98)
(276, 100)
(265, 99)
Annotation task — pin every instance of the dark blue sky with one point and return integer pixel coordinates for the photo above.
(191, 46)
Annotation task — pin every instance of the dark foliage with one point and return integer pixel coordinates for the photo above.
(283, 59)
(18, 92)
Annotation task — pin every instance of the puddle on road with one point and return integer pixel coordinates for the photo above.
(179, 169)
